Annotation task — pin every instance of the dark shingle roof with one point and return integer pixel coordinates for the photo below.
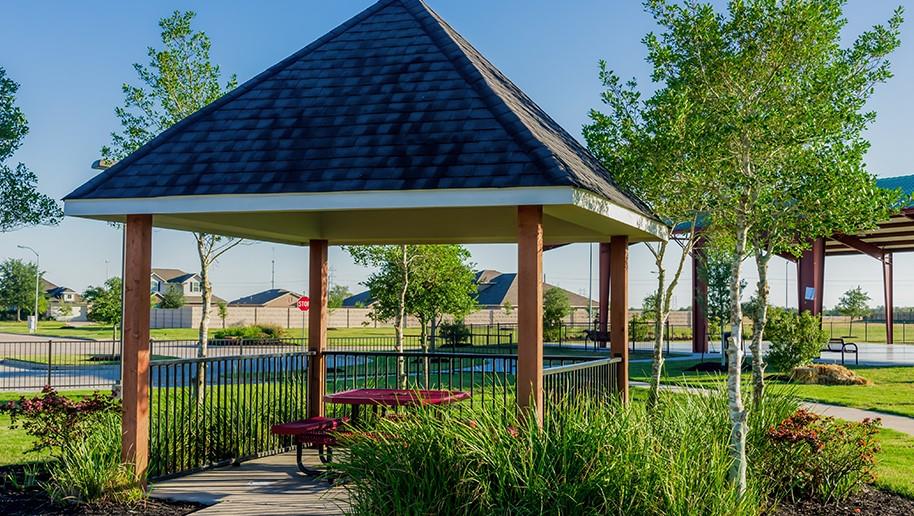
(393, 99)
(262, 298)
(493, 288)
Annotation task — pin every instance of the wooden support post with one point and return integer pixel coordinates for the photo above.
(603, 309)
(811, 275)
(699, 298)
(317, 326)
(889, 303)
(618, 317)
(135, 352)
(530, 310)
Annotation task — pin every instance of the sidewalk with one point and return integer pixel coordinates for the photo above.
(891, 421)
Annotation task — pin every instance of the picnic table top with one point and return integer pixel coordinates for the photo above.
(395, 397)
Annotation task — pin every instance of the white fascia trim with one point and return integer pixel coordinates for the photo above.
(602, 206)
(321, 201)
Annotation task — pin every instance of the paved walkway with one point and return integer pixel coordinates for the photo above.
(271, 485)
(891, 421)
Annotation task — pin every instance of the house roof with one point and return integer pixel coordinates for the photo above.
(393, 99)
(493, 288)
(173, 275)
(905, 183)
(262, 298)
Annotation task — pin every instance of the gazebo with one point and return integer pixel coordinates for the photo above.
(390, 128)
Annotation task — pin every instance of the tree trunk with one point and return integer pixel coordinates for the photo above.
(760, 318)
(659, 325)
(401, 319)
(734, 369)
(207, 295)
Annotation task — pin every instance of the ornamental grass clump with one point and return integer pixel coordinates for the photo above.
(589, 458)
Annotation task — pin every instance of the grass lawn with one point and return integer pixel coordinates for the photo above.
(892, 392)
(74, 360)
(102, 332)
(895, 463)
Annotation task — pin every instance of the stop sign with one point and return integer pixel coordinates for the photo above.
(304, 303)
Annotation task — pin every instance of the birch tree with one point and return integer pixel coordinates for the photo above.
(646, 146)
(772, 92)
(179, 79)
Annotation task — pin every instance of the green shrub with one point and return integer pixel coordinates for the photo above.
(588, 459)
(92, 471)
(454, 334)
(796, 339)
(56, 421)
(258, 331)
(814, 457)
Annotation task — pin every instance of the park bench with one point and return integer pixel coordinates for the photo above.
(316, 433)
(839, 345)
(597, 337)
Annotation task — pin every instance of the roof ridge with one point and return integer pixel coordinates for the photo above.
(517, 124)
(230, 95)
(421, 11)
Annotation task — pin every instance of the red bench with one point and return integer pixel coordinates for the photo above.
(314, 432)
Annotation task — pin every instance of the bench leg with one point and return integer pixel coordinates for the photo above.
(325, 454)
(307, 470)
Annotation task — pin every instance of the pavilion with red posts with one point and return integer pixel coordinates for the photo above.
(389, 129)
(892, 236)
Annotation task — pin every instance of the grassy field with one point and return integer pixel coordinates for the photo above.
(101, 332)
(892, 390)
(895, 463)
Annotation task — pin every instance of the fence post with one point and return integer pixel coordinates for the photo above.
(50, 356)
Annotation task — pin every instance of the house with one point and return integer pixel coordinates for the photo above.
(272, 298)
(162, 280)
(494, 289)
(60, 294)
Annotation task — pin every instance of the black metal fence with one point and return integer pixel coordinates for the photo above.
(593, 379)
(227, 416)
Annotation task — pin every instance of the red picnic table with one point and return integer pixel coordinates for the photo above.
(320, 432)
(393, 398)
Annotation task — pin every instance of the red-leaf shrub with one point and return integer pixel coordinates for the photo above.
(56, 421)
(808, 456)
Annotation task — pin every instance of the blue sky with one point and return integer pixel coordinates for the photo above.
(72, 57)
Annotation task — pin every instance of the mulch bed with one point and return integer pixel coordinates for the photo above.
(37, 503)
(868, 501)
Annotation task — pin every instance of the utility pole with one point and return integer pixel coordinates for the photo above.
(590, 287)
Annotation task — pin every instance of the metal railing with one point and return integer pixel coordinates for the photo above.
(227, 418)
(594, 379)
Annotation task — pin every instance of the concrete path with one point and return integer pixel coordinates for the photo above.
(891, 421)
(271, 485)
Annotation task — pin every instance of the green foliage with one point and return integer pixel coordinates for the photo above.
(590, 458)
(92, 471)
(716, 270)
(105, 302)
(257, 331)
(57, 422)
(336, 296)
(21, 204)
(454, 334)
(426, 281)
(811, 457)
(556, 308)
(17, 286)
(222, 309)
(173, 297)
(855, 303)
(178, 80)
(796, 339)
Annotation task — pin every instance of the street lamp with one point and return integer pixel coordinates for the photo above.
(37, 280)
